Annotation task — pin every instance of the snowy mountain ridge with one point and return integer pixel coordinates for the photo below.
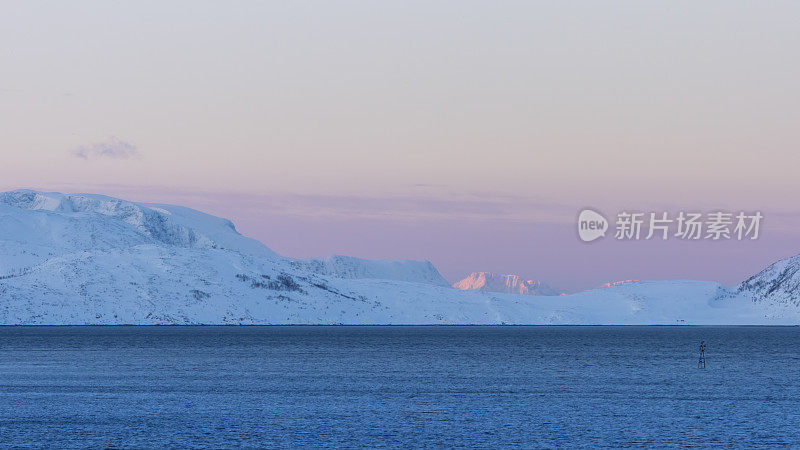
(160, 224)
(92, 259)
(341, 266)
(508, 284)
(777, 284)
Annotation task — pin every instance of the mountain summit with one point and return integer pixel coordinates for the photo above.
(508, 284)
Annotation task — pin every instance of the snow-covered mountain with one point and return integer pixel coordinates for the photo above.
(349, 267)
(92, 259)
(778, 284)
(617, 283)
(508, 284)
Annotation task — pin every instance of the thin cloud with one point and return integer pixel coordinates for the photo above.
(112, 148)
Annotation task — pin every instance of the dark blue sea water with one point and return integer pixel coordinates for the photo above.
(398, 386)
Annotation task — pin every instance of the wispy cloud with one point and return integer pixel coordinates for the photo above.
(111, 148)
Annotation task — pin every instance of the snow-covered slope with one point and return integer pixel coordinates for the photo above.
(349, 267)
(87, 222)
(89, 259)
(777, 285)
(508, 284)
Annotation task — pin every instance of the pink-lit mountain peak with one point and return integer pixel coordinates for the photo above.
(507, 283)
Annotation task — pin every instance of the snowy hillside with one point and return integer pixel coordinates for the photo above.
(54, 223)
(349, 267)
(778, 284)
(90, 259)
(508, 284)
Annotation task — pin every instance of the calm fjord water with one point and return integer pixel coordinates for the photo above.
(398, 386)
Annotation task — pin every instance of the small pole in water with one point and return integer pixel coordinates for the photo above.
(701, 363)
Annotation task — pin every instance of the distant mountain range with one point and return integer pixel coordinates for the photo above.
(617, 283)
(507, 284)
(92, 259)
